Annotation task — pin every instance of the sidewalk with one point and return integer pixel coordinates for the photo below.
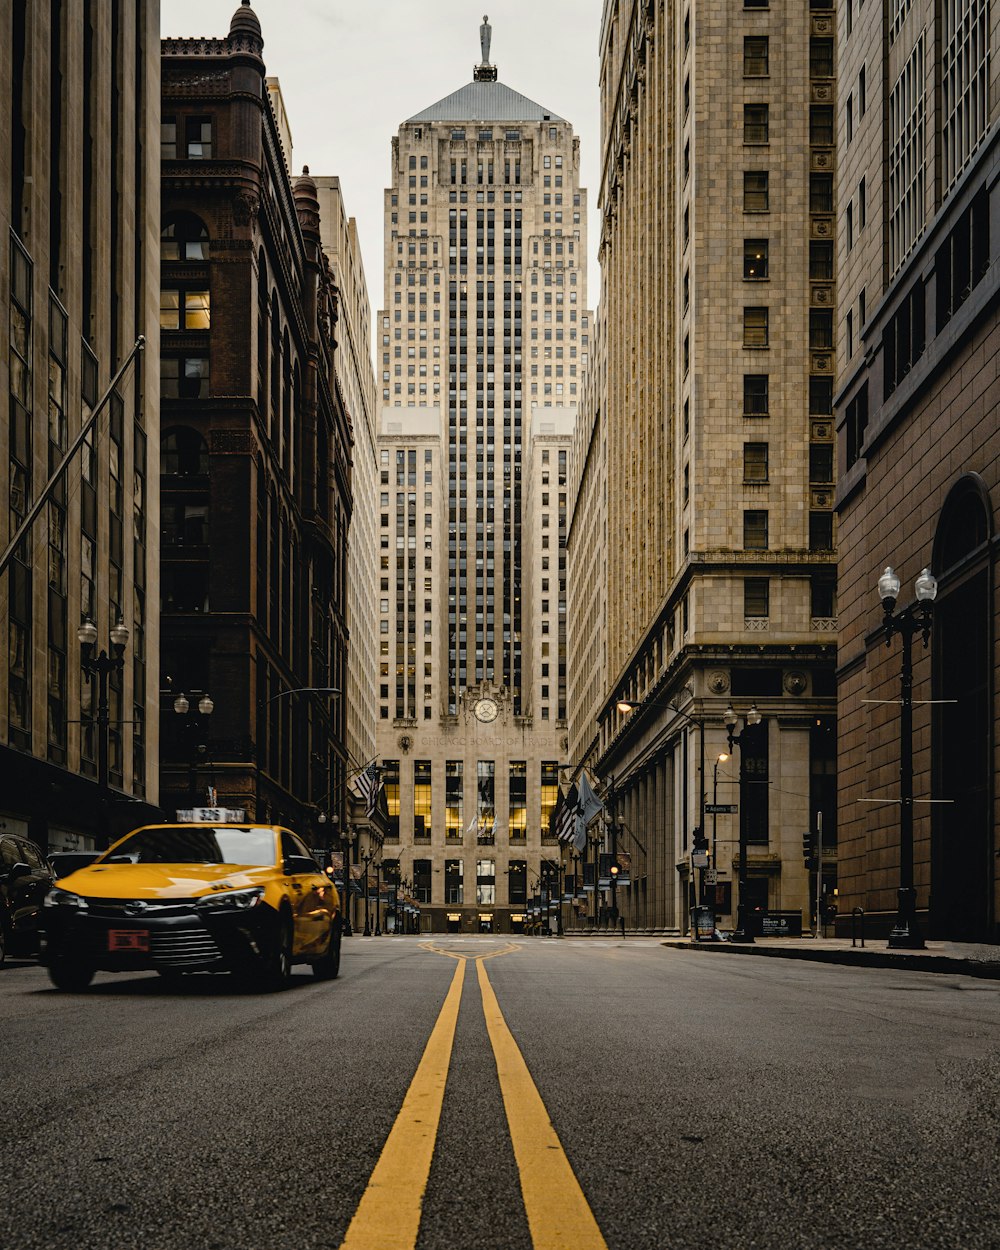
(965, 958)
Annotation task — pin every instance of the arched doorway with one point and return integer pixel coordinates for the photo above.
(963, 861)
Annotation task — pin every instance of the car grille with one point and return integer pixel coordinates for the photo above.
(126, 909)
(179, 947)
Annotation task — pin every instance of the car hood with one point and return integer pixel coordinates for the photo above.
(161, 880)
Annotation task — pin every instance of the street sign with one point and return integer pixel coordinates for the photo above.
(700, 859)
(721, 809)
(711, 876)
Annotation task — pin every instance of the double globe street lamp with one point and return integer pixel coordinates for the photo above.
(182, 707)
(907, 622)
(102, 666)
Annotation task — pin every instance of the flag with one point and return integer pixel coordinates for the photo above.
(589, 807)
(564, 819)
(368, 787)
(473, 823)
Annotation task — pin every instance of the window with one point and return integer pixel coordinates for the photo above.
(453, 799)
(422, 798)
(903, 338)
(820, 57)
(856, 424)
(198, 138)
(184, 377)
(168, 138)
(821, 462)
(517, 821)
(820, 395)
(821, 260)
(183, 237)
(755, 462)
(756, 123)
(756, 197)
(453, 885)
(821, 329)
(756, 54)
(549, 792)
(755, 394)
(755, 327)
(755, 260)
(963, 258)
(755, 530)
(821, 193)
(184, 310)
(823, 595)
(756, 597)
(821, 125)
(486, 893)
(820, 531)
(183, 453)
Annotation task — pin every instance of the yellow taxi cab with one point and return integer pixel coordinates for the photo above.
(248, 899)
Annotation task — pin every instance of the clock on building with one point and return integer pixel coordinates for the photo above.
(487, 710)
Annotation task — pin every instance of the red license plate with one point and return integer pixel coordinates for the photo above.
(128, 939)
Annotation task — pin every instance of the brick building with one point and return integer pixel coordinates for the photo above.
(919, 455)
(255, 455)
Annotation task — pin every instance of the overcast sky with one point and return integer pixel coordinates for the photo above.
(352, 70)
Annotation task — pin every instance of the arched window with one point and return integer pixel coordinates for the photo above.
(183, 237)
(183, 453)
(963, 863)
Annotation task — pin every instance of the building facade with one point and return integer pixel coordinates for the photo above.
(353, 364)
(255, 457)
(78, 279)
(484, 343)
(919, 457)
(718, 299)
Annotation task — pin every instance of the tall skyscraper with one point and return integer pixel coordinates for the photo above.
(716, 431)
(484, 342)
(79, 212)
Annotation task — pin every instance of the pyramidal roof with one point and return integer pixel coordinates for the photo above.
(480, 101)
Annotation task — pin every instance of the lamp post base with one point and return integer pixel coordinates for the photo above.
(743, 932)
(905, 933)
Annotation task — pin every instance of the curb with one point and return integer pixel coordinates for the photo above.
(856, 958)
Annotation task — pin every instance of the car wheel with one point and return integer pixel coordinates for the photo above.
(277, 969)
(327, 967)
(70, 974)
(172, 976)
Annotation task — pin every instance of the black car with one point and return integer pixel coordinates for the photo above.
(25, 879)
(63, 863)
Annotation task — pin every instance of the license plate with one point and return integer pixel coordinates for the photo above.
(128, 939)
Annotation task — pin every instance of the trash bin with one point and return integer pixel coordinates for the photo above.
(703, 924)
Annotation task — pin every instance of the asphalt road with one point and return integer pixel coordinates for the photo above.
(701, 1102)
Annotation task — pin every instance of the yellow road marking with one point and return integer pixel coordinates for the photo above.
(559, 1216)
(388, 1216)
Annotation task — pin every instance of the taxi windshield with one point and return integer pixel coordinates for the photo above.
(196, 844)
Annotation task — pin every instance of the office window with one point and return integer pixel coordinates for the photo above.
(755, 259)
(820, 57)
(755, 327)
(821, 260)
(486, 891)
(756, 397)
(756, 56)
(821, 125)
(821, 462)
(821, 193)
(517, 820)
(820, 395)
(184, 377)
(756, 123)
(755, 530)
(756, 191)
(198, 138)
(422, 795)
(756, 597)
(755, 462)
(820, 531)
(453, 885)
(453, 797)
(821, 329)
(549, 792)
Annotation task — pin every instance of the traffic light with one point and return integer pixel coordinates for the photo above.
(614, 871)
(700, 840)
(808, 858)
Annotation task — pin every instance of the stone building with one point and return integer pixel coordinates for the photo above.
(718, 298)
(919, 457)
(255, 455)
(357, 383)
(79, 163)
(484, 344)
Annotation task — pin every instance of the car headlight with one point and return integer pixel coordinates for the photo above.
(64, 898)
(232, 900)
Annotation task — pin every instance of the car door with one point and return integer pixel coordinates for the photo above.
(304, 878)
(32, 887)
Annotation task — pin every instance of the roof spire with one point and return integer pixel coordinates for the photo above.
(484, 71)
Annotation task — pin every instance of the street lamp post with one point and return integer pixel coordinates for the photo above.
(907, 622)
(102, 666)
(721, 759)
(751, 720)
(182, 707)
(378, 898)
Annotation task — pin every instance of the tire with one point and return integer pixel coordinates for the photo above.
(327, 967)
(276, 972)
(171, 975)
(71, 975)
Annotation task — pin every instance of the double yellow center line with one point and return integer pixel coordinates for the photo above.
(388, 1216)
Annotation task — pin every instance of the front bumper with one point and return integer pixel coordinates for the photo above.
(173, 936)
